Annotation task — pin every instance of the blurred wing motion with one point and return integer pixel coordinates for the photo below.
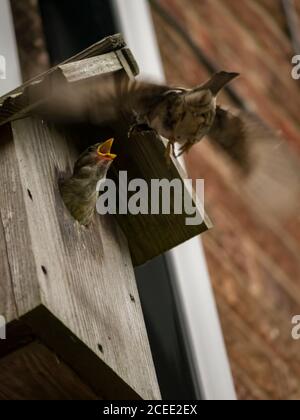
(98, 100)
(270, 169)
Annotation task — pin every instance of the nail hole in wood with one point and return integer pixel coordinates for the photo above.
(44, 270)
(100, 348)
(30, 195)
(132, 298)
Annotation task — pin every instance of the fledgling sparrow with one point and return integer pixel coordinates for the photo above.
(79, 192)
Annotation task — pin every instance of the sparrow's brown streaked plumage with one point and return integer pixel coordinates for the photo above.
(185, 116)
(79, 192)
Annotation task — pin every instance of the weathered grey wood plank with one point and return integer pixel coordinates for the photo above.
(8, 307)
(17, 262)
(90, 67)
(84, 276)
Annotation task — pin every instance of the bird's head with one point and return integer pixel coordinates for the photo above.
(103, 152)
(96, 160)
(199, 101)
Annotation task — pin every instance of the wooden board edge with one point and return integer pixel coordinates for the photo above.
(18, 335)
(88, 366)
(106, 45)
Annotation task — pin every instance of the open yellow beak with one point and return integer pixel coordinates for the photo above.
(105, 150)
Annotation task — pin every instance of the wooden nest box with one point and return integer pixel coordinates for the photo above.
(75, 325)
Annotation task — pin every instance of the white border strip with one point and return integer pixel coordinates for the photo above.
(187, 265)
(8, 50)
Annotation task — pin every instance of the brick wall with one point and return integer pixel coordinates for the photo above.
(254, 265)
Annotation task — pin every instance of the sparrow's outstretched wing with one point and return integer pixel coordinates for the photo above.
(229, 131)
(271, 168)
(98, 100)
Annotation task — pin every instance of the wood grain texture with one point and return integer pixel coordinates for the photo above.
(35, 373)
(17, 264)
(8, 306)
(89, 67)
(84, 276)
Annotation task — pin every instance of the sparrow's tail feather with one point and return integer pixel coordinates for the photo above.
(219, 81)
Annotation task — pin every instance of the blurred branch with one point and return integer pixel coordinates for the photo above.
(198, 52)
(291, 17)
